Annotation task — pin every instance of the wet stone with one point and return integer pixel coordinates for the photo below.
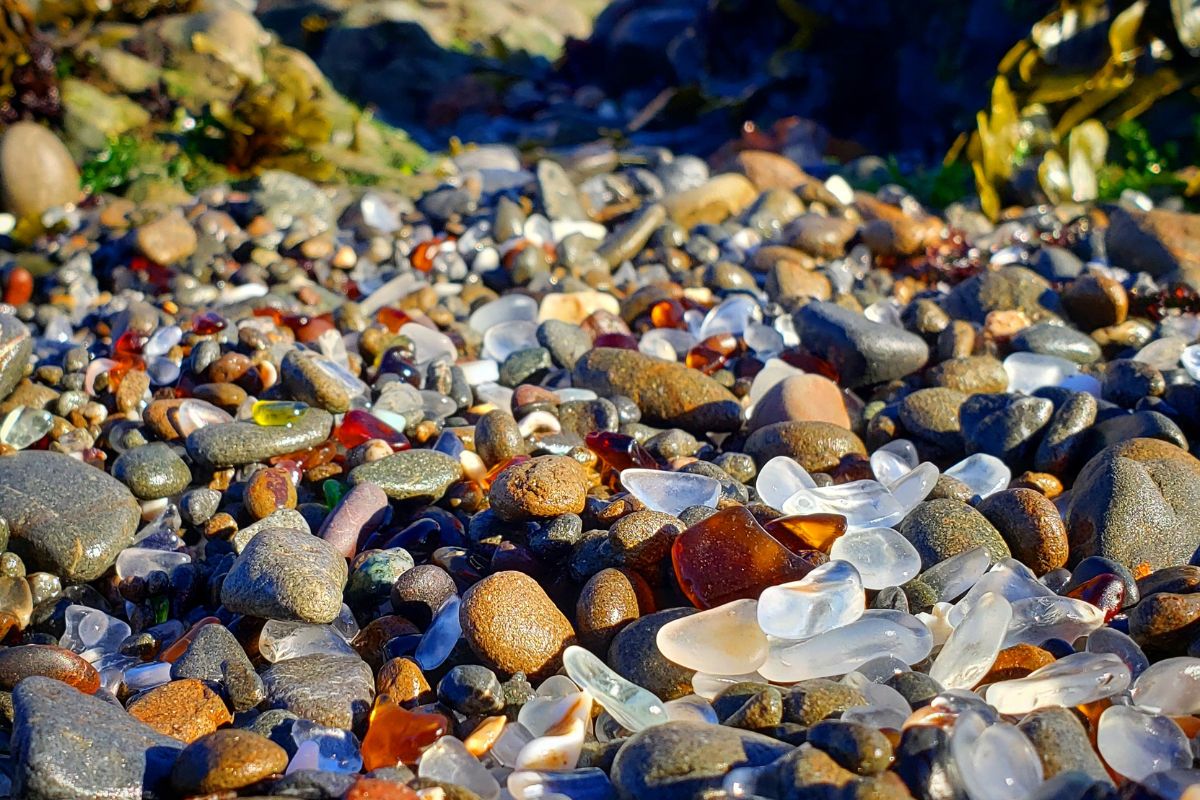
(236, 443)
(411, 474)
(634, 654)
(288, 575)
(183, 709)
(152, 471)
(859, 748)
(216, 657)
(333, 690)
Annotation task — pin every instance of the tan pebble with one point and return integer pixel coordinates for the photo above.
(513, 626)
(185, 709)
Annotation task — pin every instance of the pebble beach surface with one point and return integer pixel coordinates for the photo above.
(612, 475)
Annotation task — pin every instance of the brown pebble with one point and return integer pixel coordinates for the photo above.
(1017, 662)
(541, 487)
(1096, 301)
(1049, 485)
(267, 491)
(513, 626)
(610, 600)
(223, 395)
(47, 660)
(220, 526)
(185, 709)
(372, 640)
(641, 540)
(1030, 525)
(226, 760)
(1166, 622)
(403, 681)
(134, 385)
(157, 417)
(229, 368)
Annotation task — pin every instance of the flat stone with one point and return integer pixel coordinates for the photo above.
(1059, 341)
(333, 690)
(182, 709)
(286, 575)
(64, 516)
(67, 745)
(1137, 503)
(817, 446)
(512, 625)
(970, 374)
(1006, 289)
(215, 656)
(411, 474)
(687, 760)
(233, 444)
(667, 393)
(310, 383)
(497, 437)
(23, 661)
(720, 198)
(862, 351)
(167, 240)
(152, 470)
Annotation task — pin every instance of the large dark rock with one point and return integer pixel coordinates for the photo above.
(862, 351)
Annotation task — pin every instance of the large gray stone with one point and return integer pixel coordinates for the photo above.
(286, 574)
(233, 444)
(862, 351)
(16, 346)
(330, 689)
(65, 517)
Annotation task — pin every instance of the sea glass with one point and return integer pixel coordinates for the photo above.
(983, 474)
(273, 413)
(973, 646)
(841, 650)
(803, 533)
(1136, 743)
(994, 761)
(139, 562)
(828, 597)
(780, 478)
(440, 637)
(24, 426)
(1037, 619)
(360, 426)
(337, 750)
(728, 556)
(398, 736)
(726, 639)
(1111, 640)
(92, 633)
(1073, 680)
(864, 503)
(670, 492)
(1170, 686)
(632, 706)
(449, 761)
(881, 555)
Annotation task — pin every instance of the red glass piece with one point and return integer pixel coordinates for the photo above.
(619, 450)
(306, 328)
(398, 736)
(1106, 592)
(730, 557)
(129, 343)
(206, 323)
(392, 318)
(622, 341)
(323, 453)
(706, 360)
(359, 426)
(18, 288)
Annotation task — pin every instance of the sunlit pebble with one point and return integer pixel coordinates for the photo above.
(539, 422)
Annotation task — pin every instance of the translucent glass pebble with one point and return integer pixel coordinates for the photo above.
(558, 748)
(431, 345)
(709, 686)
(272, 413)
(669, 344)
(973, 646)
(779, 479)
(864, 504)
(337, 750)
(984, 474)
(440, 637)
(193, 414)
(506, 338)
(542, 713)
(828, 597)
(162, 340)
(92, 633)
(1136, 743)
(904, 449)
(996, 761)
(1040, 618)
(914, 486)
(671, 492)
(888, 466)
(147, 676)
(724, 640)
(632, 706)
(511, 307)
(1028, 372)
(484, 370)
(449, 761)
(23, 426)
(282, 640)
(1073, 680)
(881, 555)
(1171, 686)
(1190, 359)
(139, 562)
(731, 316)
(512, 740)
(691, 708)
(958, 574)
(588, 783)
(836, 652)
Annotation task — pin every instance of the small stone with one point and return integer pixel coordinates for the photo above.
(817, 446)
(512, 625)
(1059, 341)
(268, 491)
(227, 760)
(1062, 743)
(610, 600)
(215, 656)
(411, 474)
(803, 398)
(333, 690)
(471, 690)
(23, 661)
(810, 701)
(970, 375)
(361, 510)
(856, 747)
(308, 380)
(1165, 623)
(151, 471)
(940, 529)
(37, 172)
(288, 575)
(498, 438)
(863, 352)
(715, 201)
(541, 487)
(1016, 662)
(168, 240)
(183, 709)
(634, 655)
(16, 344)
(1095, 301)
(1030, 525)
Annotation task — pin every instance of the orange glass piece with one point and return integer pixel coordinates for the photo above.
(484, 736)
(180, 645)
(313, 457)
(18, 289)
(376, 789)
(705, 360)
(804, 532)
(724, 343)
(667, 314)
(495, 471)
(129, 343)
(392, 318)
(396, 736)
(423, 254)
(729, 556)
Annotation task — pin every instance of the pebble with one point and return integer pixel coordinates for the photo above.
(1062, 744)
(801, 398)
(1031, 527)
(610, 600)
(498, 438)
(940, 529)
(512, 626)
(152, 471)
(288, 575)
(23, 661)
(634, 655)
(215, 657)
(333, 690)
(237, 443)
(410, 474)
(16, 347)
(182, 709)
(37, 171)
(546, 486)
(226, 760)
(817, 446)
(863, 352)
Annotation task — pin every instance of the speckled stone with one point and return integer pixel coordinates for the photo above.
(1137, 503)
(607, 603)
(497, 437)
(1164, 623)
(23, 661)
(233, 444)
(333, 690)
(634, 654)
(859, 748)
(1062, 743)
(641, 540)
(684, 760)
(931, 415)
(418, 593)
(411, 474)
(817, 446)
(151, 471)
(287, 575)
(667, 392)
(565, 342)
(183, 709)
(917, 688)
(1016, 662)
(227, 760)
(809, 702)
(862, 351)
(1030, 525)
(1060, 341)
(215, 656)
(807, 772)
(541, 487)
(970, 374)
(67, 745)
(943, 528)
(308, 382)
(512, 625)
(1063, 441)
(16, 347)
(64, 516)
(1005, 426)
(1006, 289)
